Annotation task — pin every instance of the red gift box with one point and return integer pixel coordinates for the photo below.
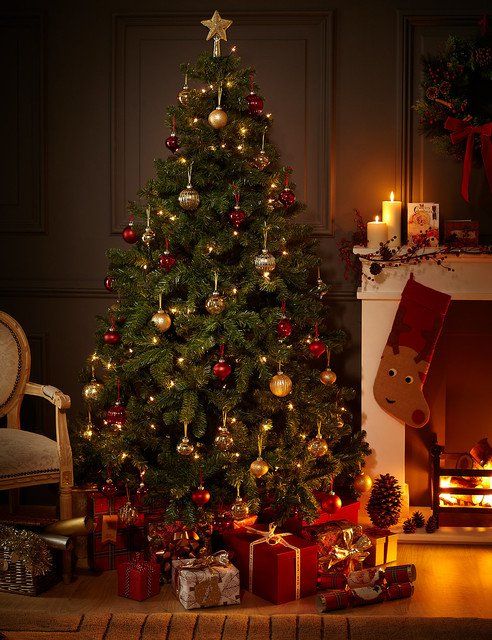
(348, 512)
(138, 579)
(276, 567)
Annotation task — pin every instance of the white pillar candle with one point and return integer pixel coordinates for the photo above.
(377, 232)
(392, 217)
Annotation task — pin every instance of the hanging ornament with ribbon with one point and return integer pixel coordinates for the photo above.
(284, 325)
(223, 440)
(91, 391)
(129, 234)
(317, 347)
(161, 320)
(259, 467)
(167, 260)
(328, 376)
(185, 447)
(318, 446)
(255, 103)
(222, 369)
(218, 117)
(287, 196)
(261, 161)
(88, 432)
(201, 495)
(215, 303)
(128, 513)
(236, 215)
(239, 508)
(265, 262)
(321, 288)
(184, 94)
(116, 415)
(332, 503)
(280, 384)
(108, 489)
(189, 198)
(172, 142)
(148, 235)
(112, 335)
(362, 482)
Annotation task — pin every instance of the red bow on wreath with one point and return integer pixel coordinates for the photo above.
(461, 130)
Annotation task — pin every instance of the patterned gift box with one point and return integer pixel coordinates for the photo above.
(138, 579)
(210, 581)
(278, 567)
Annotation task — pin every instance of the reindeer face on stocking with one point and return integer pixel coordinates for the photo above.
(398, 387)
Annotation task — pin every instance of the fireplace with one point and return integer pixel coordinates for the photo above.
(403, 451)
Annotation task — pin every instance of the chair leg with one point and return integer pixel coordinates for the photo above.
(14, 501)
(65, 514)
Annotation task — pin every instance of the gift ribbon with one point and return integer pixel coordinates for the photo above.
(354, 551)
(461, 130)
(137, 563)
(211, 562)
(272, 538)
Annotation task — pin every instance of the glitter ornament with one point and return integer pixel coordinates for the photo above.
(184, 94)
(189, 199)
(261, 160)
(223, 440)
(255, 103)
(218, 117)
(217, 27)
(318, 446)
(129, 234)
(91, 391)
(280, 384)
(328, 376)
(216, 303)
(128, 513)
(184, 446)
(259, 467)
(166, 259)
(148, 235)
(362, 482)
(265, 262)
(161, 320)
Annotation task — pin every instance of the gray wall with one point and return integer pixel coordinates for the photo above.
(84, 90)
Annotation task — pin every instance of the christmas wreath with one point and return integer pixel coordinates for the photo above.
(455, 112)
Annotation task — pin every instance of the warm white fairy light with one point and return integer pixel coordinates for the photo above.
(204, 91)
(263, 359)
(234, 291)
(285, 253)
(210, 248)
(303, 436)
(171, 384)
(234, 49)
(239, 147)
(233, 420)
(229, 83)
(181, 360)
(173, 310)
(145, 266)
(152, 425)
(124, 455)
(151, 398)
(160, 212)
(213, 148)
(290, 406)
(243, 131)
(223, 145)
(182, 159)
(172, 218)
(268, 115)
(155, 340)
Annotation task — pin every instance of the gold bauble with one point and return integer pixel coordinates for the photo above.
(259, 467)
(189, 199)
(328, 376)
(92, 390)
(280, 385)
(265, 262)
(223, 440)
(217, 118)
(362, 482)
(148, 236)
(128, 514)
(161, 320)
(184, 95)
(215, 304)
(185, 447)
(261, 161)
(317, 447)
(239, 509)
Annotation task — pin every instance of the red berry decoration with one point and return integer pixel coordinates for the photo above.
(222, 369)
(332, 503)
(284, 326)
(236, 215)
(317, 347)
(255, 103)
(287, 196)
(129, 234)
(109, 283)
(167, 260)
(172, 143)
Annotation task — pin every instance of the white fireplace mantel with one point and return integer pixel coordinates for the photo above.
(380, 295)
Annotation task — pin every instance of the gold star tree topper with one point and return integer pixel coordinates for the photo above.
(217, 30)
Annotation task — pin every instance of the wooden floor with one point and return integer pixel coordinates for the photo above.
(454, 581)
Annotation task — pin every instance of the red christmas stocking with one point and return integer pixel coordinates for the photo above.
(408, 353)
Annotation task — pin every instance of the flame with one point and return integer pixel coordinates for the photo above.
(376, 219)
(392, 196)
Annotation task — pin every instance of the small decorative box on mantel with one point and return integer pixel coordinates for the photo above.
(384, 547)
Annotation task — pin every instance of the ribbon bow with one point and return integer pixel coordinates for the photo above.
(270, 537)
(461, 130)
(354, 551)
(217, 559)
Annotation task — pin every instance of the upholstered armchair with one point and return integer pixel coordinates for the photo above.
(26, 458)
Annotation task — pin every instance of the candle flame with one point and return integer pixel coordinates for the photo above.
(376, 218)
(392, 196)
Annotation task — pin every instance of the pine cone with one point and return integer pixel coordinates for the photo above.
(418, 519)
(384, 505)
(431, 525)
(409, 526)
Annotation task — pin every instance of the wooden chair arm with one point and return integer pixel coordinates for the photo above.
(52, 394)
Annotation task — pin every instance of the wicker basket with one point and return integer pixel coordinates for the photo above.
(18, 579)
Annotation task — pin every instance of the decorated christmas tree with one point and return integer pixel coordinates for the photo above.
(211, 376)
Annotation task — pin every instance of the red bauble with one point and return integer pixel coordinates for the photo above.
(129, 234)
(317, 348)
(112, 336)
(108, 489)
(237, 217)
(167, 261)
(287, 197)
(109, 283)
(172, 143)
(332, 503)
(116, 415)
(284, 328)
(200, 496)
(222, 369)
(255, 104)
